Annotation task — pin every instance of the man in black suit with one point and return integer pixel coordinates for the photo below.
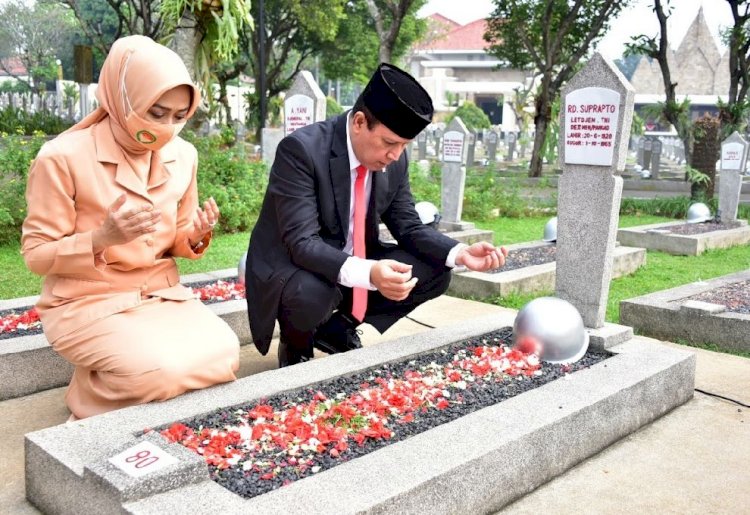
(315, 261)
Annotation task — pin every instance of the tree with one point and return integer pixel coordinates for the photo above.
(105, 21)
(471, 115)
(734, 113)
(34, 34)
(551, 37)
(389, 15)
(292, 32)
(363, 44)
(678, 114)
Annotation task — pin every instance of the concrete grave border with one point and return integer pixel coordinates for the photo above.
(477, 463)
(29, 365)
(666, 314)
(534, 278)
(651, 237)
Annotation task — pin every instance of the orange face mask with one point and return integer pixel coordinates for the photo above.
(149, 134)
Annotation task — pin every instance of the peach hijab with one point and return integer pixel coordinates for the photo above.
(136, 72)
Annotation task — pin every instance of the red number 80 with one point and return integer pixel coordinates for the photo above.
(142, 459)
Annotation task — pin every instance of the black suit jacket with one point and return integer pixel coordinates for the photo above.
(304, 219)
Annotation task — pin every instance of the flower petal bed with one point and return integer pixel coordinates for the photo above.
(25, 321)
(14, 322)
(255, 448)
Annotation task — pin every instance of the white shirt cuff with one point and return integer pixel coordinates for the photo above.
(355, 273)
(450, 261)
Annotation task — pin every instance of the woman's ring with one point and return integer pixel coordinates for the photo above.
(212, 224)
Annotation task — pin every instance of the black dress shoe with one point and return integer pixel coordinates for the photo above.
(289, 355)
(338, 334)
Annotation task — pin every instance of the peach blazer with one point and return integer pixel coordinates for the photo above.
(71, 184)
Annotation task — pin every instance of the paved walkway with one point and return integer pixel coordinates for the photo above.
(695, 459)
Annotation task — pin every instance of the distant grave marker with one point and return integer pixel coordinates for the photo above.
(454, 173)
(733, 160)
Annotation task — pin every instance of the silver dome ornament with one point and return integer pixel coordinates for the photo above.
(698, 212)
(550, 230)
(241, 269)
(428, 213)
(552, 328)
(645, 173)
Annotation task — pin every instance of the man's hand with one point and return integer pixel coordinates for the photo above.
(482, 256)
(392, 279)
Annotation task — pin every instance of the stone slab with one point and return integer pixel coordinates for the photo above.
(475, 464)
(28, 364)
(536, 278)
(668, 315)
(655, 237)
(464, 232)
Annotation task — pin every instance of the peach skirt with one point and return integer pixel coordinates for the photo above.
(155, 351)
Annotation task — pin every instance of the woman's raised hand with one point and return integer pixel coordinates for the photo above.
(204, 220)
(124, 225)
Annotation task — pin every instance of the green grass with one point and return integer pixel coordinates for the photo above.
(518, 230)
(225, 252)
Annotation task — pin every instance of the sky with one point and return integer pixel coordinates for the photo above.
(637, 19)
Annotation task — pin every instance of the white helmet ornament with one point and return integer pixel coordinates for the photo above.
(550, 230)
(428, 213)
(698, 212)
(552, 328)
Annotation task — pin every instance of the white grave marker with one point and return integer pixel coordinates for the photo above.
(453, 147)
(590, 126)
(142, 459)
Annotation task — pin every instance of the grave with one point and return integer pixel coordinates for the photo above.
(662, 237)
(28, 364)
(477, 463)
(534, 278)
(696, 312)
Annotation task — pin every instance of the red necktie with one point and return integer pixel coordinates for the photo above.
(359, 295)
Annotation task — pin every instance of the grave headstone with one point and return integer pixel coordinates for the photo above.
(437, 136)
(600, 98)
(304, 103)
(511, 146)
(471, 139)
(655, 158)
(647, 150)
(455, 143)
(733, 161)
(422, 146)
(491, 146)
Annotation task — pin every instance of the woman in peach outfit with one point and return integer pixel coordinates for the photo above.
(111, 203)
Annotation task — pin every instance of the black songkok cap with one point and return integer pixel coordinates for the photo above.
(398, 101)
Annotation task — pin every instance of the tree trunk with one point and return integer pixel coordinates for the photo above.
(185, 42)
(705, 154)
(543, 106)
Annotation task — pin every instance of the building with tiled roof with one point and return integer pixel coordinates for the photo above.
(452, 62)
(12, 67)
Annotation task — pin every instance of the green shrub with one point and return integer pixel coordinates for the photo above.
(14, 120)
(333, 108)
(425, 187)
(235, 182)
(472, 116)
(16, 153)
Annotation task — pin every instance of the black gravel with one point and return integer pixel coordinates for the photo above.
(700, 228)
(478, 395)
(529, 256)
(22, 332)
(39, 329)
(735, 297)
